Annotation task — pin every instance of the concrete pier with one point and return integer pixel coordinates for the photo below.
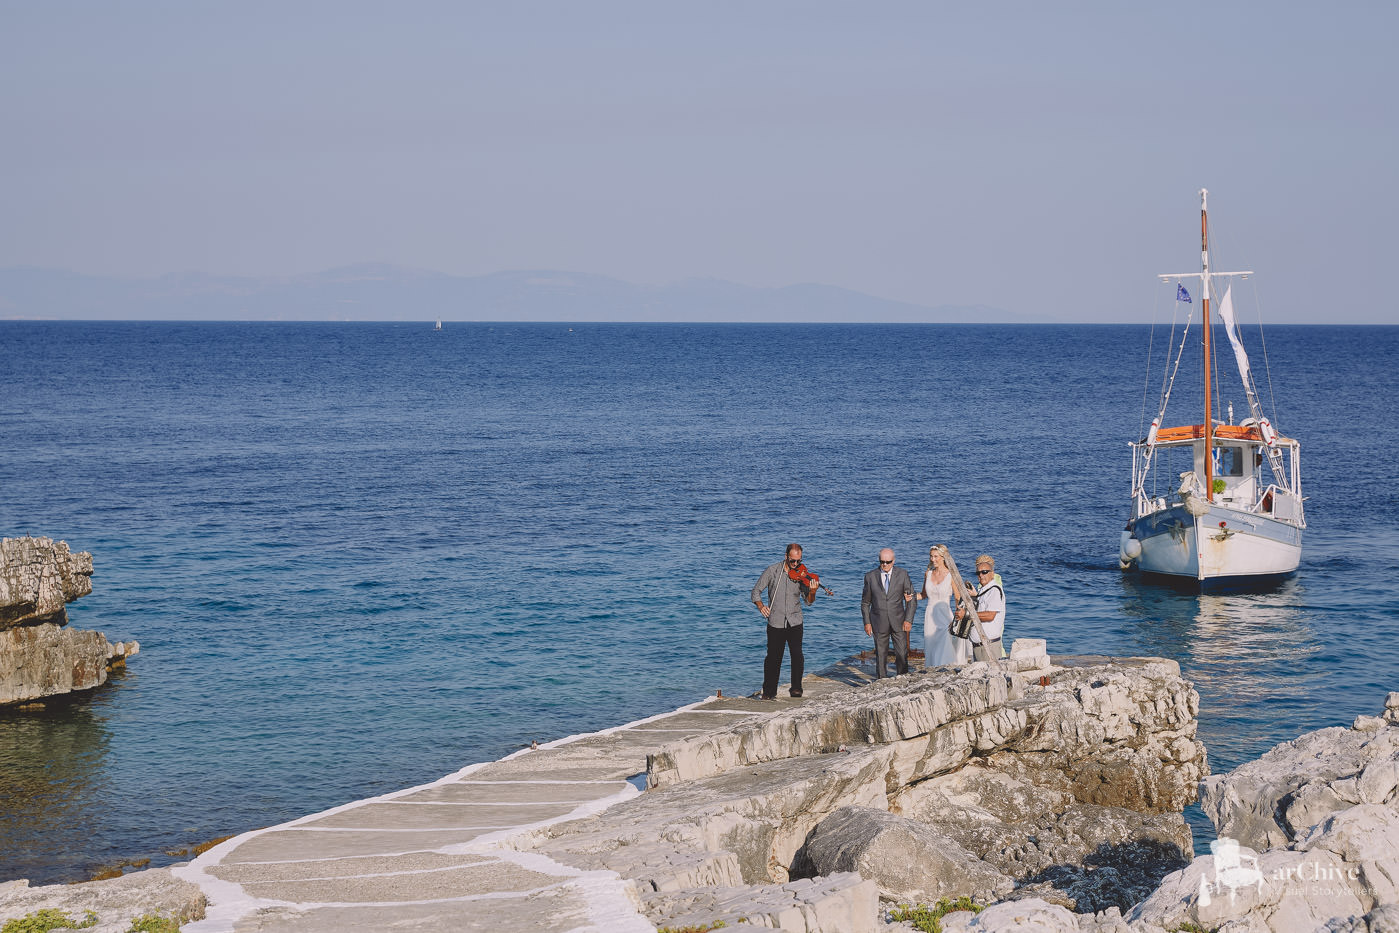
(438, 857)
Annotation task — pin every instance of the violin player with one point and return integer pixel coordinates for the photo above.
(785, 583)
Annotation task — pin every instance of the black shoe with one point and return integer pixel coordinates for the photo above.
(794, 693)
(761, 696)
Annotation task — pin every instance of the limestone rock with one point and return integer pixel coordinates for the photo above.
(909, 860)
(1366, 839)
(116, 901)
(38, 578)
(1080, 855)
(1122, 733)
(836, 784)
(39, 657)
(1296, 785)
(744, 827)
(1278, 891)
(38, 661)
(839, 903)
(1025, 916)
(1323, 811)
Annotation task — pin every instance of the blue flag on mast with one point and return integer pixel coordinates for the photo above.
(1182, 294)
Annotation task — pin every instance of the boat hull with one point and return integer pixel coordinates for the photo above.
(1223, 548)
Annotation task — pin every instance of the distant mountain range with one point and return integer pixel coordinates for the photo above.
(377, 292)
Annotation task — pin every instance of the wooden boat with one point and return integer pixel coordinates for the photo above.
(1226, 524)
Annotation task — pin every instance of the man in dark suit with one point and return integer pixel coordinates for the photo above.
(887, 605)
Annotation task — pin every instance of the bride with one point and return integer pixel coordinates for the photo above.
(939, 647)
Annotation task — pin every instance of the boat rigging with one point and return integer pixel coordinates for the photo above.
(1222, 527)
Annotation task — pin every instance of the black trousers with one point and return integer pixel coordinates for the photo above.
(791, 637)
(881, 650)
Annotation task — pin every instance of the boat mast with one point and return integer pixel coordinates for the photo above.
(1206, 277)
(1205, 299)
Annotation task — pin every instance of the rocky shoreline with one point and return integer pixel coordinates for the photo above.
(1048, 788)
(39, 656)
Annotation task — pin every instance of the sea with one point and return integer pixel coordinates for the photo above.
(358, 557)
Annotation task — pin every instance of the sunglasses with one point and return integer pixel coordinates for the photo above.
(886, 562)
(983, 570)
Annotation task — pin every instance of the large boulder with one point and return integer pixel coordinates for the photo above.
(909, 860)
(839, 903)
(1030, 915)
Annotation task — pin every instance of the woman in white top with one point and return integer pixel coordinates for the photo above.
(939, 647)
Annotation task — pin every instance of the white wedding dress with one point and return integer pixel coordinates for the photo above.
(939, 647)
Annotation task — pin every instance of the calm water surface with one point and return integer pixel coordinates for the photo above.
(358, 557)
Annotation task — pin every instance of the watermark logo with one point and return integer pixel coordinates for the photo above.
(1234, 867)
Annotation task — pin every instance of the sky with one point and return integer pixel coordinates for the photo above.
(1042, 158)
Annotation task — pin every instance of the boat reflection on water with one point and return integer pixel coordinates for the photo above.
(1252, 657)
(1256, 660)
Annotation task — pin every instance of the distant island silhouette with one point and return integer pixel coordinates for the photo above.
(380, 292)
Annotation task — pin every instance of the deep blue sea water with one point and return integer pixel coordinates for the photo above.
(358, 557)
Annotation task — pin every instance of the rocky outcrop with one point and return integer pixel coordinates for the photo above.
(38, 578)
(39, 657)
(1050, 842)
(1115, 732)
(116, 902)
(1271, 801)
(1309, 841)
(1043, 765)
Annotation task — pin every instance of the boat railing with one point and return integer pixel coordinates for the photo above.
(1147, 505)
(1278, 502)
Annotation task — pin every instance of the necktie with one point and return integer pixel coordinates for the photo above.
(886, 581)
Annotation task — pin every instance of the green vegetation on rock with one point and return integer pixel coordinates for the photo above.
(50, 918)
(929, 919)
(154, 923)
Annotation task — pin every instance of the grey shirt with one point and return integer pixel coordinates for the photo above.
(784, 596)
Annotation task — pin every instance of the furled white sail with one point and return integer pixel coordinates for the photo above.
(1226, 311)
(1265, 427)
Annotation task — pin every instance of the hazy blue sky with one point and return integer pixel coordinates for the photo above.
(1038, 157)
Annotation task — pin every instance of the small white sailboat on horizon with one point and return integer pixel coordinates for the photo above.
(1224, 525)
(439, 324)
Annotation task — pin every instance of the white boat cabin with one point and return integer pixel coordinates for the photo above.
(1236, 472)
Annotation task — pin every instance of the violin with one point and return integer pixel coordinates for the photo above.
(808, 581)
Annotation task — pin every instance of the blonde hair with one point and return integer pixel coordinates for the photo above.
(987, 559)
(942, 552)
